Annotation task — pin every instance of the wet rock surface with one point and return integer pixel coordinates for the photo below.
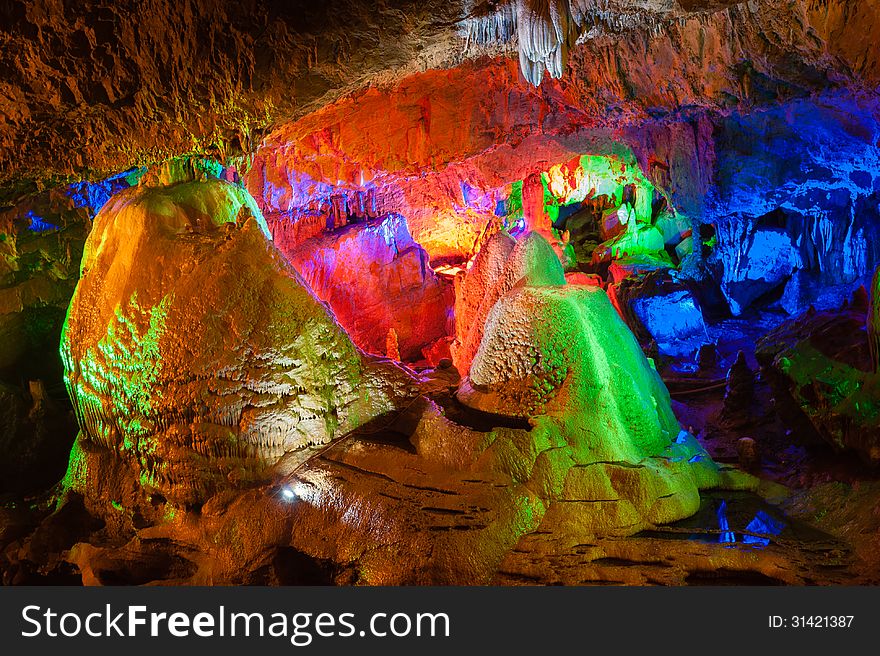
(692, 552)
(381, 508)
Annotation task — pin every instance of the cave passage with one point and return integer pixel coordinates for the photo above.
(489, 293)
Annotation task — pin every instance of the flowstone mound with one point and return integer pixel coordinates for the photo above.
(196, 354)
(616, 459)
(553, 350)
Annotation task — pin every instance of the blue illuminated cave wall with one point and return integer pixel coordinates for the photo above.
(93, 195)
(796, 202)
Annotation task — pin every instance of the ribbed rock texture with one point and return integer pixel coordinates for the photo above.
(500, 265)
(125, 87)
(195, 353)
(561, 350)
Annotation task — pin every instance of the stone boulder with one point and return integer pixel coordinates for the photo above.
(684, 248)
(613, 222)
(657, 307)
(674, 227)
(672, 319)
(196, 354)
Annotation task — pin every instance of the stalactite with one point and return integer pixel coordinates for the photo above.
(546, 30)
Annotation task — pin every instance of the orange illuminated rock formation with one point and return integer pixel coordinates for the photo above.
(196, 354)
(405, 150)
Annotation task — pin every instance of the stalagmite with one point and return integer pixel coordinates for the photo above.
(263, 370)
(739, 393)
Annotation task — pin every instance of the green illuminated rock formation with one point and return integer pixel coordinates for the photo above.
(609, 455)
(195, 352)
(199, 364)
(555, 350)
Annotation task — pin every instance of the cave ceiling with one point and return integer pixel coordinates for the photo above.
(92, 88)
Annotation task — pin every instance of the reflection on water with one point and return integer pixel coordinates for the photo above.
(727, 535)
(734, 519)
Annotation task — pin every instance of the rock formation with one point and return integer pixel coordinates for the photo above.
(618, 460)
(195, 353)
(739, 393)
(874, 323)
(501, 265)
(549, 350)
(376, 278)
(823, 374)
(261, 208)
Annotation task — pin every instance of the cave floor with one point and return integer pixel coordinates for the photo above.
(690, 552)
(833, 493)
(825, 538)
(827, 532)
(821, 507)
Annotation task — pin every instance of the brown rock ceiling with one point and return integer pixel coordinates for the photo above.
(89, 88)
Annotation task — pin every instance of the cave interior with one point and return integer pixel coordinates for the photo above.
(449, 292)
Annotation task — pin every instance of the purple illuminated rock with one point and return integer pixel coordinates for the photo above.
(376, 278)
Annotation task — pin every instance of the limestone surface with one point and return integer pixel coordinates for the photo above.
(196, 353)
(502, 264)
(617, 460)
(376, 279)
(822, 372)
